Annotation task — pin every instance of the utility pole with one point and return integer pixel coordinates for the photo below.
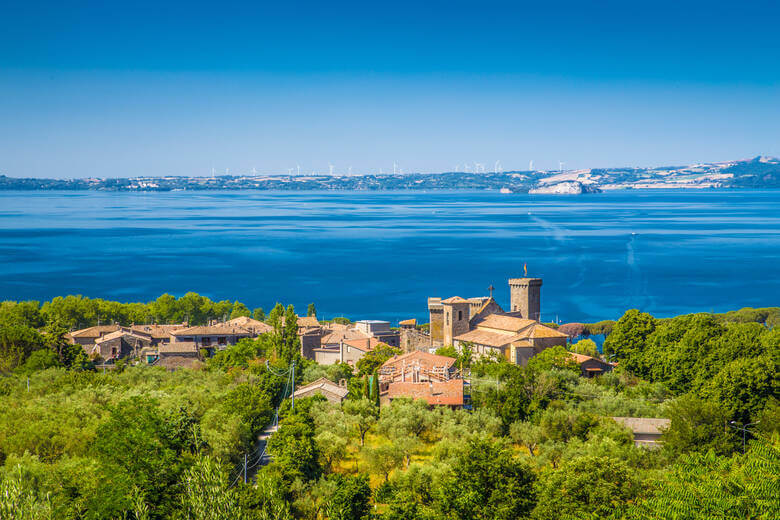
(293, 386)
(744, 431)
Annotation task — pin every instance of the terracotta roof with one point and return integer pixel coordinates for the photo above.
(543, 331)
(426, 360)
(250, 324)
(323, 384)
(364, 344)
(644, 424)
(308, 321)
(582, 358)
(337, 336)
(507, 323)
(455, 299)
(412, 322)
(93, 332)
(212, 330)
(158, 331)
(434, 393)
(120, 333)
(485, 337)
(177, 348)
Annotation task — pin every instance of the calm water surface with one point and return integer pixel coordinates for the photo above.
(381, 254)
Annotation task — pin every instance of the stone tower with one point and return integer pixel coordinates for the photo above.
(525, 297)
(456, 318)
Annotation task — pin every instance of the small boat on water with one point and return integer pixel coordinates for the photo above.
(506, 190)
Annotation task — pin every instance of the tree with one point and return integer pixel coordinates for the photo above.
(40, 360)
(206, 495)
(374, 397)
(311, 311)
(374, 358)
(331, 447)
(294, 450)
(383, 459)
(697, 426)
(585, 346)
(703, 486)
(351, 499)
(259, 314)
(743, 386)
(487, 481)
(586, 487)
(239, 310)
(556, 357)
(362, 414)
(291, 346)
(526, 434)
(16, 343)
(573, 330)
(629, 336)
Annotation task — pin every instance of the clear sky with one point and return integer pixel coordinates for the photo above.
(119, 89)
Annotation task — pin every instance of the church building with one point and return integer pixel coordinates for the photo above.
(516, 335)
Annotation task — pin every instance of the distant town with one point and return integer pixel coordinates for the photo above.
(759, 172)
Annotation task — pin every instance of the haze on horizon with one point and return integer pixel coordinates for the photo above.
(181, 88)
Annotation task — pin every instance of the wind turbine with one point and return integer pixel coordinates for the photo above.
(254, 170)
(330, 169)
(560, 165)
(497, 167)
(395, 168)
(531, 165)
(299, 168)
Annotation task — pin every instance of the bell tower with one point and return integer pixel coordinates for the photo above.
(526, 297)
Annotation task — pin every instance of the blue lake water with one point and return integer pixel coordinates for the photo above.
(381, 254)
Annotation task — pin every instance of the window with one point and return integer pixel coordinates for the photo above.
(206, 342)
(460, 315)
(222, 340)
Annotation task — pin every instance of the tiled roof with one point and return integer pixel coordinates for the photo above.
(120, 333)
(455, 299)
(212, 330)
(339, 335)
(485, 337)
(174, 362)
(158, 331)
(364, 344)
(643, 424)
(93, 332)
(426, 360)
(412, 322)
(308, 321)
(543, 331)
(250, 324)
(503, 322)
(323, 384)
(434, 393)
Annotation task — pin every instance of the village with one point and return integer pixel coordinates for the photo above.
(478, 324)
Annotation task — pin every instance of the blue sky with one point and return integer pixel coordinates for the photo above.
(124, 89)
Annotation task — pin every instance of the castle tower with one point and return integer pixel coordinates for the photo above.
(456, 318)
(525, 297)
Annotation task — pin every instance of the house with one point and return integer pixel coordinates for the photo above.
(380, 330)
(160, 334)
(175, 355)
(337, 342)
(86, 337)
(254, 326)
(647, 431)
(515, 338)
(591, 366)
(118, 344)
(417, 366)
(452, 393)
(347, 351)
(209, 337)
(335, 393)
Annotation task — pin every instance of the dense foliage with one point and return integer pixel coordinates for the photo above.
(142, 443)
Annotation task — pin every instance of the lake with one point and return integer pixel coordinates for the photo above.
(379, 255)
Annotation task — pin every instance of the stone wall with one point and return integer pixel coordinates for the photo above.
(413, 339)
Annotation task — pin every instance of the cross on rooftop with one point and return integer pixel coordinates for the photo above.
(491, 289)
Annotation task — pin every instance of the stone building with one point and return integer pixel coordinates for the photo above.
(335, 393)
(118, 344)
(516, 335)
(417, 367)
(591, 366)
(452, 394)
